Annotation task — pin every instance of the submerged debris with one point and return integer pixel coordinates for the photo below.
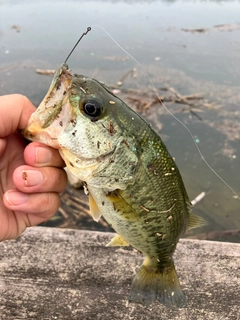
(219, 27)
(45, 72)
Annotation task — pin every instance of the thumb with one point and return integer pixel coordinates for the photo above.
(15, 110)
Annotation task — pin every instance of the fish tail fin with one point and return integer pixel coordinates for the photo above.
(151, 284)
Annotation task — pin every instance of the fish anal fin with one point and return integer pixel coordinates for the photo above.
(195, 221)
(117, 241)
(152, 284)
(94, 210)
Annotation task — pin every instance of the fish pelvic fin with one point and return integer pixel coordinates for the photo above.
(195, 221)
(151, 284)
(117, 241)
(94, 210)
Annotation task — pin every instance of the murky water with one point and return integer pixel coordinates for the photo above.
(167, 38)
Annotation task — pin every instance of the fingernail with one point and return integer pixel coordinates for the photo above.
(32, 177)
(43, 155)
(15, 197)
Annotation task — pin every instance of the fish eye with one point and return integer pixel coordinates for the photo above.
(92, 108)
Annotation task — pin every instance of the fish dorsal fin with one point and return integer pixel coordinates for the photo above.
(195, 221)
(117, 241)
(94, 210)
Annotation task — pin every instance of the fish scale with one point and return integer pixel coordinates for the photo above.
(131, 178)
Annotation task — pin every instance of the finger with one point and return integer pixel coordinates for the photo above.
(38, 155)
(46, 179)
(15, 110)
(38, 207)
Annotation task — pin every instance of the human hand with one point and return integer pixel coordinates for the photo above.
(31, 177)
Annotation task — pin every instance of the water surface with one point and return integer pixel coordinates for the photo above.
(40, 34)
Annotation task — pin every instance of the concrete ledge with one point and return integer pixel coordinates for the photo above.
(69, 274)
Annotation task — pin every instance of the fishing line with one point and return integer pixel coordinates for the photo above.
(155, 91)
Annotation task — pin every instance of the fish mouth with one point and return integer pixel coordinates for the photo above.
(47, 128)
(46, 123)
(33, 132)
(37, 130)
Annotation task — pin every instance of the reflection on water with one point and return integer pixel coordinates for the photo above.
(161, 36)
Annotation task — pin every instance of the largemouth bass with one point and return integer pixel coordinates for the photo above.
(130, 177)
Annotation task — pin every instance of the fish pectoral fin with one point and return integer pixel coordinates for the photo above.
(195, 221)
(94, 210)
(117, 241)
(151, 283)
